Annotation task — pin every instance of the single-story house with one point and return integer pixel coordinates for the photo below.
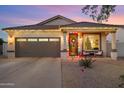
(60, 37)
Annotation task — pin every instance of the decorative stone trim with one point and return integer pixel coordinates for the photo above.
(64, 31)
(114, 50)
(64, 50)
(10, 51)
(113, 32)
(114, 55)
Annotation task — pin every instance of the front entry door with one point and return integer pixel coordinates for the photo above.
(73, 44)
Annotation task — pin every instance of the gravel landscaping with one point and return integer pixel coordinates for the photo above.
(103, 74)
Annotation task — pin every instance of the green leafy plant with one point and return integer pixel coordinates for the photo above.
(86, 62)
(122, 79)
(1, 41)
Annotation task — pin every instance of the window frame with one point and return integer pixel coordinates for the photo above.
(99, 34)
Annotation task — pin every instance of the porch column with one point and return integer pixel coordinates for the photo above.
(65, 41)
(103, 44)
(114, 46)
(64, 45)
(11, 46)
(79, 42)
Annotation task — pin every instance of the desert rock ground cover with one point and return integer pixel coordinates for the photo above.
(103, 74)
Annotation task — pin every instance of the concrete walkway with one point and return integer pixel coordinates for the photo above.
(30, 72)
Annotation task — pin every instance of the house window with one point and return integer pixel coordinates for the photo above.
(43, 40)
(54, 40)
(91, 42)
(32, 40)
(21, 40)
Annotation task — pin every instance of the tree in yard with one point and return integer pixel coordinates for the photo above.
(99, 13)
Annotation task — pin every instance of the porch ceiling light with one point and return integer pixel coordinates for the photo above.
(10, 39)
(74, 32)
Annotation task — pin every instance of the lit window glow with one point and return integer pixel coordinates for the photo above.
(32, 40)
(21, 40)
(54, 40)
(43, 39)
(91, 42)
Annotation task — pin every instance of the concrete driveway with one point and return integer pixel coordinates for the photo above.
(30, 72)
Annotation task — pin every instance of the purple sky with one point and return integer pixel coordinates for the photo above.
(24, 15)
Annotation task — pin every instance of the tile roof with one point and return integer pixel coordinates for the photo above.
(30, 27)
(90, 24)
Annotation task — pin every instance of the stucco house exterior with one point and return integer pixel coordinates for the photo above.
(60, 37)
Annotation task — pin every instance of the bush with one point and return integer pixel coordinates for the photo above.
(122, 77)
(121, 85)
(1, 41)
(86, 62)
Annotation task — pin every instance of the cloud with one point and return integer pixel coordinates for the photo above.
(62, 9)
(117, 19)
(81, 19)
(17, 20)
(114, 19)
(70, 11)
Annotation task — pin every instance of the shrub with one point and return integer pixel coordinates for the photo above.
(1, 41)
(122, 77)
(122, 80)
(86, 62)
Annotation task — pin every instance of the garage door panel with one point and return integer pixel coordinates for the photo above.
(38, 49)
(54, 52)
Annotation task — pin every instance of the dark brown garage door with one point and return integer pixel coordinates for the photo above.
(37, 47)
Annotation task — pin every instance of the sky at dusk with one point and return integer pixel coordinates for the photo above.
(26, 15)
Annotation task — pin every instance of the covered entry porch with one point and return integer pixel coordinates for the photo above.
(88, 40)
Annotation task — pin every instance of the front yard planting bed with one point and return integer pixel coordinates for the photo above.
(104, 73)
